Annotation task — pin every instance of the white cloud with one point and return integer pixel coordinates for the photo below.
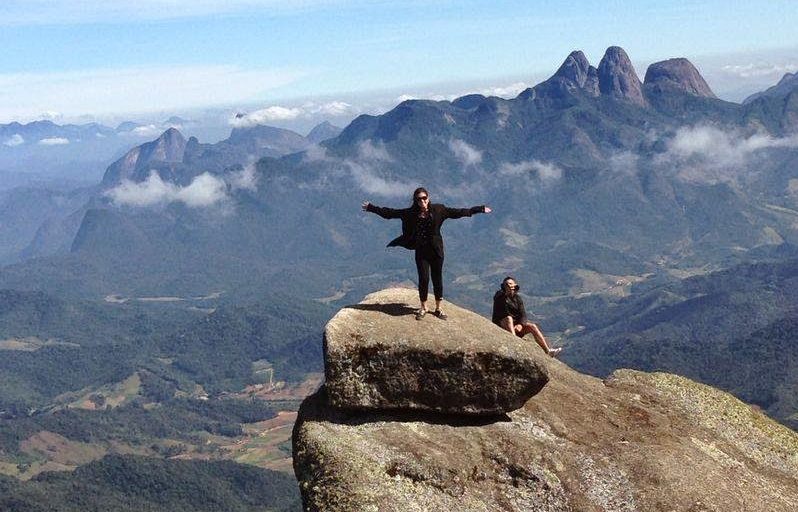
(121, 90)
(505, 91)
(367, 169)
(14, 140)
(149, 130)
(369, 151)
(245, 179)
(264, 116)
(334, 109)
(204, 190)
(316, 153)
(547, 172)
(279, 113)
(717, 148)
(760, 69)
(502, 91)
(371, 182)
(467, 154)
(54, 141)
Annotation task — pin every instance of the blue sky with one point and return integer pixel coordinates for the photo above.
(341, 57)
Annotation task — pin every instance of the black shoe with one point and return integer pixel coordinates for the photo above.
(440, 314)
(420, 314)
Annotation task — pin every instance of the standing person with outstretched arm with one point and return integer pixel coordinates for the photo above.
(509, 313)
(421, 231)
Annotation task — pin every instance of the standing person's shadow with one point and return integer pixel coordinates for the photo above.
(392, 308)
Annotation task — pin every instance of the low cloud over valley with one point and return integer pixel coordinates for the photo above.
(205, 190)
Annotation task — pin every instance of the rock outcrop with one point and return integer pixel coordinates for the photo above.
(617, 77)
(372, 361)
(635, 442)
(676, 75)
(135, 165)
(575, 74)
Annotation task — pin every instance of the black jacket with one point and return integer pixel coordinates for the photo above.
(504, 306)
(409, 216)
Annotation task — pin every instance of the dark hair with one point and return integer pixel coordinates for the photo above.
(504, 282)
(415, 193)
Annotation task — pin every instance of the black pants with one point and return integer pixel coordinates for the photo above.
(428, 260)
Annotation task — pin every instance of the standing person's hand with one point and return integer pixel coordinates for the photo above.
(365, 206)
(487, 209)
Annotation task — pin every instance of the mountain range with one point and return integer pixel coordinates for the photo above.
(42, 217)
(650, 224)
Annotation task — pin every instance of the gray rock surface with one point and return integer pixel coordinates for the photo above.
(575, 74)
(635, 442)
(677, 75)
(377, 356)
(617, 77)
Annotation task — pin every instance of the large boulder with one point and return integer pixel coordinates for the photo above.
(637, 442)
(377, 356)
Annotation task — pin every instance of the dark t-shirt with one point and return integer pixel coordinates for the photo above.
(504, 306)
(424, 231)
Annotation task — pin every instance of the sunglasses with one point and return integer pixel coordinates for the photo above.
(516, 287)
(422, 198)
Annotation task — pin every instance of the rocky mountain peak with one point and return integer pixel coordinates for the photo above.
(573, 76)
(394, 429)
(677, 75)
(169, 147)
(617, 77)
(575, 68)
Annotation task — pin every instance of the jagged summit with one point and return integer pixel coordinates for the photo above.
(677, 75)
(168, 148)
(617, 77)
(637, 441)
(578, 70)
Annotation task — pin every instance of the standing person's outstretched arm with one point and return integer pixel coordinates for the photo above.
(456, 213)
(385, 213)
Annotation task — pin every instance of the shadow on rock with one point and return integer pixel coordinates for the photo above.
(317, 408)
(392, 308)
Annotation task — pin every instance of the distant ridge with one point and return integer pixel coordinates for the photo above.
(323, 131)
(787, 84)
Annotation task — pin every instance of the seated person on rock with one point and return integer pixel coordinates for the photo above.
(509, 313)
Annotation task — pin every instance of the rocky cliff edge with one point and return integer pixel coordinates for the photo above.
(634, 442)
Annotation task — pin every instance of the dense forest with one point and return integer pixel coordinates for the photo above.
(143, 484)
